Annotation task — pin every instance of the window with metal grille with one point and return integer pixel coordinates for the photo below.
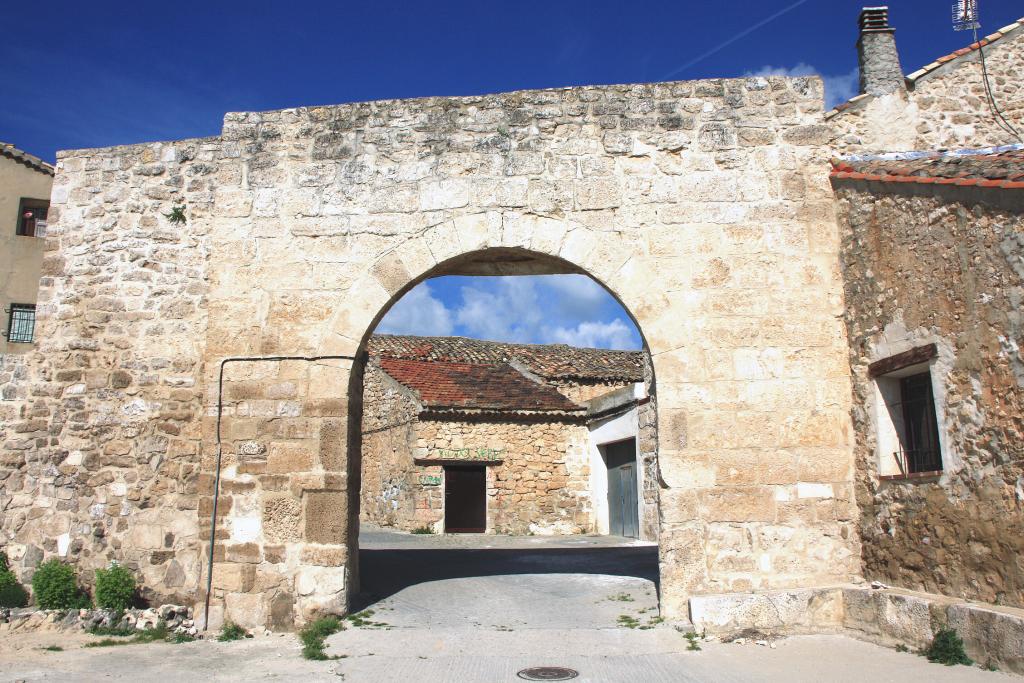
(907, 431)
(919, 436)
(21, 323)
(32, 216)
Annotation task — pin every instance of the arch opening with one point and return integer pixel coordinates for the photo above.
(482, 489)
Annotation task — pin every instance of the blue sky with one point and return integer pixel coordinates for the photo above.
(89, 74)
(541, 309)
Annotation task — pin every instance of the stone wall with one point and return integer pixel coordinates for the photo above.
(945, 267)
(391, 493)
(542, 485)
(101, 426)
(703, 206)
(946, 108)
(647, 448)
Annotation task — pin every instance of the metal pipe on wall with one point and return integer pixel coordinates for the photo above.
(216, 480)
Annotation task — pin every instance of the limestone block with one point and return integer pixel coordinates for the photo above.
(281, 611)
(248, 610)
(449, 193)
(233, 202)
(323, 583)
(326, 517)
(324, 555)
(391, 273)
(784, 611)
(990, 636)
(233, 577)
(284, 458)
(146, 536)
(282, 519)
(333, 451)
(479, 230)
(738, 504)
(415, 254)
(905, 618)
(597, 193)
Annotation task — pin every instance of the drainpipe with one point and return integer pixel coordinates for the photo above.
(216, 480)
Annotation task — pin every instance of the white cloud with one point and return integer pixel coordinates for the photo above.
(838, 88)
(508, 310)
(418, 312)
(596, 334)
(578, 295)
(566, 309)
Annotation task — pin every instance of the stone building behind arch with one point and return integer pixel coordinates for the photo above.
(536, 420)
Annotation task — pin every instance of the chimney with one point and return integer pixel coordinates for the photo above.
(880, 72)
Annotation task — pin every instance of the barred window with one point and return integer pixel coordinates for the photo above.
(21, 323)
(919, 436)
(907, 425)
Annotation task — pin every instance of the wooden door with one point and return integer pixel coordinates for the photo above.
(623, 515)
(465, 499)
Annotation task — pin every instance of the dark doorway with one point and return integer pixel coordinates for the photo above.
(623, 516)
(465, 500)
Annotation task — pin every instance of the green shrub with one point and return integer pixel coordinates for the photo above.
(115, 588)
(423, 530)
(947, 648)
(12, 593)
(232, 631)
(314, 634)
(55, 587)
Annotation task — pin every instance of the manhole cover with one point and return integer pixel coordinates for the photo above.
(548, 673)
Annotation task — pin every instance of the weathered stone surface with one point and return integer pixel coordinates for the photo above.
(326, 516)
(299, 234)
(959, 534)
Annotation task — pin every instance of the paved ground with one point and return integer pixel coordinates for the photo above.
(451, 609)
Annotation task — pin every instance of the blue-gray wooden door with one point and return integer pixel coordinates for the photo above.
(623, 517)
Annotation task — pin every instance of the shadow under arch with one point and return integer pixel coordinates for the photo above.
(486, 261)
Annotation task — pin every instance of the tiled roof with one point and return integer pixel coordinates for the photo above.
(550, 361)
(929, 68)
(1001, 169)
(479, 386)
(991, 38)
(35, 163)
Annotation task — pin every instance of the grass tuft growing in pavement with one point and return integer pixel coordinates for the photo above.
(628, 621)
(692, 638)
(363, 620)
(314, 635)
(108, 642)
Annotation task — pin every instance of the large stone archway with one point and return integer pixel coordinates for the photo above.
(703, 206)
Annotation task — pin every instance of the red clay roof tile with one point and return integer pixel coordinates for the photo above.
(550, 361)
(998, 169)
(483, 386)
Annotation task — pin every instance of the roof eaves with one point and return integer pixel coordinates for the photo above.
(22, 157)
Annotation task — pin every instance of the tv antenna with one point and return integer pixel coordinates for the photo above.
(965, 15)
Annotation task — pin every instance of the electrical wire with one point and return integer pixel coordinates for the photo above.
(1001, 121)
